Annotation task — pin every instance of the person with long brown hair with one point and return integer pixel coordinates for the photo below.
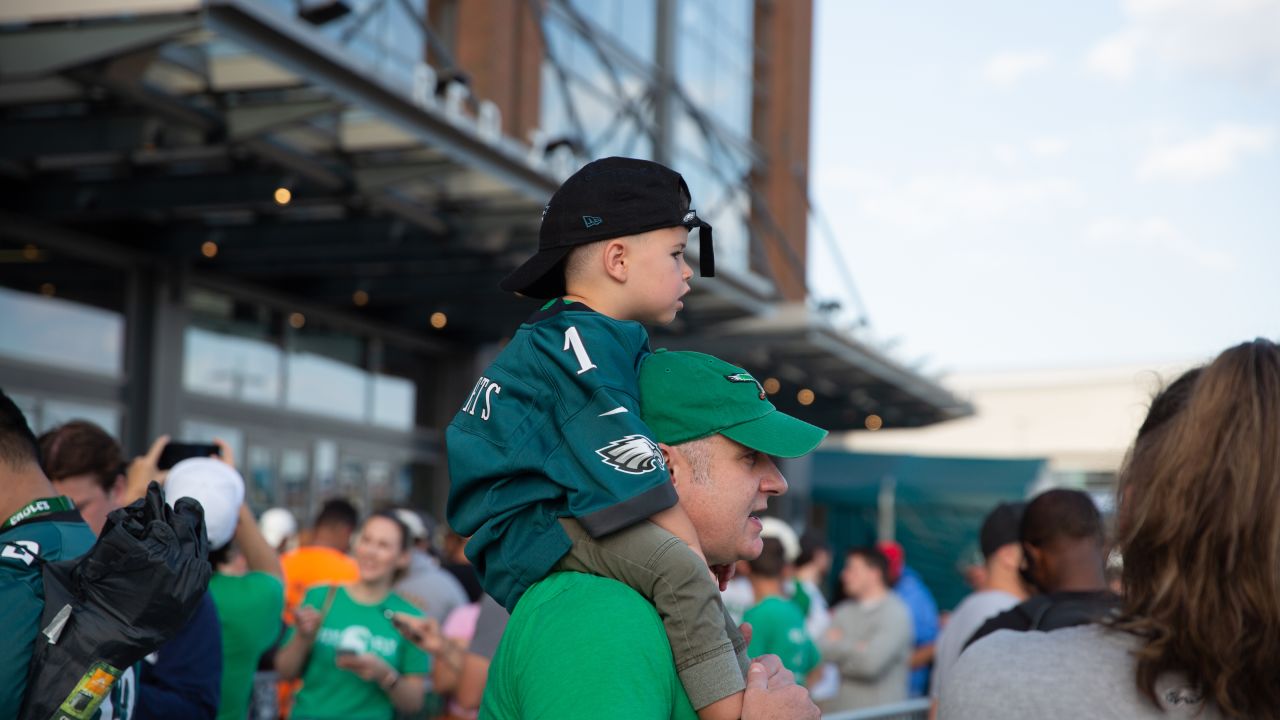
(1198, 524)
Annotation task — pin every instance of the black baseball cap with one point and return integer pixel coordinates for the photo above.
(1002, 526)
(608, 198)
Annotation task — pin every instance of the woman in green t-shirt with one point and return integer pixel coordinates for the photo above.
(352, 661)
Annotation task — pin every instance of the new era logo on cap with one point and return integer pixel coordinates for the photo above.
(591, 220)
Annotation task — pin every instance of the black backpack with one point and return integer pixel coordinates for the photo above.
(107, 609)
(1045, 612)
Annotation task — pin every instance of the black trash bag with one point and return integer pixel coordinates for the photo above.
(109, 608)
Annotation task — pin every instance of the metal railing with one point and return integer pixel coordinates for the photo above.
(916, 709)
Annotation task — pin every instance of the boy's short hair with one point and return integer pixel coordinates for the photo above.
(579, 260)
(608, 198)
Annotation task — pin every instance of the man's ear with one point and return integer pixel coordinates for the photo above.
(1010, 556)
(676, 467)
(615, 259)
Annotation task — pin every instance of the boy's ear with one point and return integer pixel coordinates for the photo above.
(615, 259)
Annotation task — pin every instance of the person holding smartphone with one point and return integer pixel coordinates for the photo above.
(352, 661)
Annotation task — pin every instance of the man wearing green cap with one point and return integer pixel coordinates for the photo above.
(580, 646)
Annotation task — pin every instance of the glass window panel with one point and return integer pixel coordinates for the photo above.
(56, 412)
(326, 465)
(260, 478)
(203, 431)
(382, 491)
(228, 366)
(323, 386)
(393, 402)
(294, 482)
(352, 483)
(59, 333)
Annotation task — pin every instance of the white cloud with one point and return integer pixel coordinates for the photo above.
(931, 203)
(1231, 38)
(1207, 157)
(1010, 67)
(1006, 154)
(1159, 235)
(1116, 56)
(1048, 147)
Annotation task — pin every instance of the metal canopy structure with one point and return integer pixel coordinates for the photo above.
(235, 142)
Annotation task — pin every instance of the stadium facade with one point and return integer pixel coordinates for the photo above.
(282, 222)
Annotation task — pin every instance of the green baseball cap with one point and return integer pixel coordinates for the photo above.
(687, 395)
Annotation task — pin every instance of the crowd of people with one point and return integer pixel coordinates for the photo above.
(606, 552)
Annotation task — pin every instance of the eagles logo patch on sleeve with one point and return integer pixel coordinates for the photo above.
(633, 454)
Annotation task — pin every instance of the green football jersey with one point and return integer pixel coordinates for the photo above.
(48, 528)
(552, 429)
(777, 628)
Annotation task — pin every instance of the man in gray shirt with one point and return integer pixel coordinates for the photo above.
(1078, 672)
(430, 587)
(870, 637)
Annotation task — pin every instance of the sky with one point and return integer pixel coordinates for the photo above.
(1020, 185)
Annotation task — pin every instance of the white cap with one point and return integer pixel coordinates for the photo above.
(277, 525)
(782, 532)
(413, 521)
(217, 487)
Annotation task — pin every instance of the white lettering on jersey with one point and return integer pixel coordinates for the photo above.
(485, 388)
(23, 550)
(493, 389)
(572, 340)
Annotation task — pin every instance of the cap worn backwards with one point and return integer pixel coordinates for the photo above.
(1002, 526)
(686, 396)
(607, 198)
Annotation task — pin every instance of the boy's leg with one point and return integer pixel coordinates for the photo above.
(704, 641)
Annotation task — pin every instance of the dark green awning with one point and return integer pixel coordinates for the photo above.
(938, 506)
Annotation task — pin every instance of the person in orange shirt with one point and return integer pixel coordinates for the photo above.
(321, 559)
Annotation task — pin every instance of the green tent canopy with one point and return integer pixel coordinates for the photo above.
(938, 506)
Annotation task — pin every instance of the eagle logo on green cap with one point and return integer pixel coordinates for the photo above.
(744, 377)
(633, 454)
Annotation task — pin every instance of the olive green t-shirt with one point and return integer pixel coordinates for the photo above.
(328, 691)
(584, 647)
(249, 608)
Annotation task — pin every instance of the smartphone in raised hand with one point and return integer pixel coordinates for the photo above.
(176, 452)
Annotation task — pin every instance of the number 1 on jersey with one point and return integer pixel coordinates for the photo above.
(574, 341)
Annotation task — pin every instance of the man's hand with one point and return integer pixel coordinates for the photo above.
(772, 693)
